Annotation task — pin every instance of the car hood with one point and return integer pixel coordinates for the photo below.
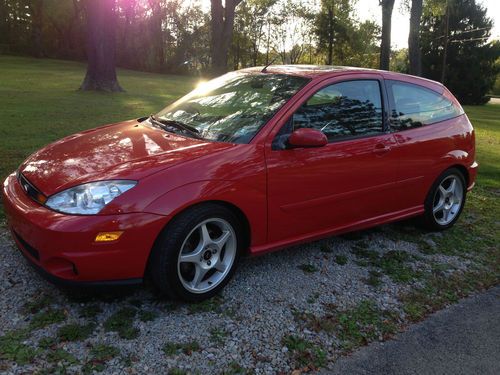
(127, 150)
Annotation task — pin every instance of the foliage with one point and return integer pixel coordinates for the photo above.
(122, 322)
(47, 317)
(75, 332)
(12, 347)
(470, 69)
(171, 348)
(304, 352)
(342, 39)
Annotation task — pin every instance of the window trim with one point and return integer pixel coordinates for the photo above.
(384, 100)
(392, 104)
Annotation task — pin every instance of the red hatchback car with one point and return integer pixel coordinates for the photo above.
(252, 161)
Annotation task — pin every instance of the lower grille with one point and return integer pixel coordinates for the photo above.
(30, 249)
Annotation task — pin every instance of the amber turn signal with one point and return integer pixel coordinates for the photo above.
(108, 236)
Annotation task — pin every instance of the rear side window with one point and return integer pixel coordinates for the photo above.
(415, 106)
(343, 110)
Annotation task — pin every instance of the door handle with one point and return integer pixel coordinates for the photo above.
(381, 149)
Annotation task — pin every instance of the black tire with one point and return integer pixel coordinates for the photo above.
(163, 267)
(429, 219)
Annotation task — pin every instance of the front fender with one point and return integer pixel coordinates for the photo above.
(250, 200)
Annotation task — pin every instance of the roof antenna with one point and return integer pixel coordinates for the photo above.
(264, 70)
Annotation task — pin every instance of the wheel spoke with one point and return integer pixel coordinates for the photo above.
(446, 214)
(221, 241)
(220, 267)
(198, 276)
(205, 236)
(451, 188)
(439, 206)
(442, 190)
(193, 257)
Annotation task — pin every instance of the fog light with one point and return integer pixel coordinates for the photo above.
(108, 236)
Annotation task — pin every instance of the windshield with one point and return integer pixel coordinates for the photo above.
(233, 107)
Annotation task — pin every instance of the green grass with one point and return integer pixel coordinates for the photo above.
(393, 263)
(13, 348)
(40, 103)
(122, 322)
(47, 317)
(486, 121)
(172, 348)
(75, 331)
(341, 260)
(304, 352)
(308, 268)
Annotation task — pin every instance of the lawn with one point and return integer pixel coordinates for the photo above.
(40, 103)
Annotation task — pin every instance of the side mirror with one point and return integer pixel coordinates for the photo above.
(307, 137)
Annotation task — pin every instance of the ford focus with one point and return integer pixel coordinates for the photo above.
(250, 162)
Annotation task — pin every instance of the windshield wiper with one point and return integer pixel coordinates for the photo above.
(176, 124)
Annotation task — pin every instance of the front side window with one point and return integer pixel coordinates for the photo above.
(233, 107)
(415, 106)
(342, 110)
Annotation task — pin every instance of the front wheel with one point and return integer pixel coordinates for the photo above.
(446, 200)
(197, 253)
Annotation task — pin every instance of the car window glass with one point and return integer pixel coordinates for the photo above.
(343, 110)
(416, 106)
(234, 107)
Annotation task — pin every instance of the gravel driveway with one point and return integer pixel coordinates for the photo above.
(266, 321)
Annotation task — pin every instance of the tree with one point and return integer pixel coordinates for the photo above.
(414, 38)
(290, 28)
(222, 24)
(385, 45)
(101, 23)
(36, 9)
(454, 39)
(333, 25)
(156, 29)
(250, 31)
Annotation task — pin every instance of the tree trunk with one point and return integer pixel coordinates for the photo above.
(222, 24)
(36, 8)
(268, 40)
(157, 33)
(330, 35)
(414, 53)
(445, 41)
(4, 22)
(385, 46)
(101, 72)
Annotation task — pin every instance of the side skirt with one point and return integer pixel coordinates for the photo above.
(359, 225)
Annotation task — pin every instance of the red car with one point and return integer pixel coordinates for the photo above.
(253, 161)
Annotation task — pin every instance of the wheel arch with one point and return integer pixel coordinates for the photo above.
(462, 169)
(246, 231)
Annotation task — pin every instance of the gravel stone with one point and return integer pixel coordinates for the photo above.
(255, 310)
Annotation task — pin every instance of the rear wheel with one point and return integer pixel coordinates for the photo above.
(197, 253)
(446, 200)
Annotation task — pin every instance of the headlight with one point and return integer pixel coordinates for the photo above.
(88, 199)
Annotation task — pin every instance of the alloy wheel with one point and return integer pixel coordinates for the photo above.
(448, 200)
(207, 255)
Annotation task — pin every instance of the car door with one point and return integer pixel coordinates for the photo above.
(349, 181)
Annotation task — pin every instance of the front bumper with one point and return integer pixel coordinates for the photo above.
(62, 246)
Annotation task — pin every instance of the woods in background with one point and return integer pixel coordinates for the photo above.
(448, 39)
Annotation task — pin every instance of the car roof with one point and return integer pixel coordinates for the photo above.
(327, 71)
